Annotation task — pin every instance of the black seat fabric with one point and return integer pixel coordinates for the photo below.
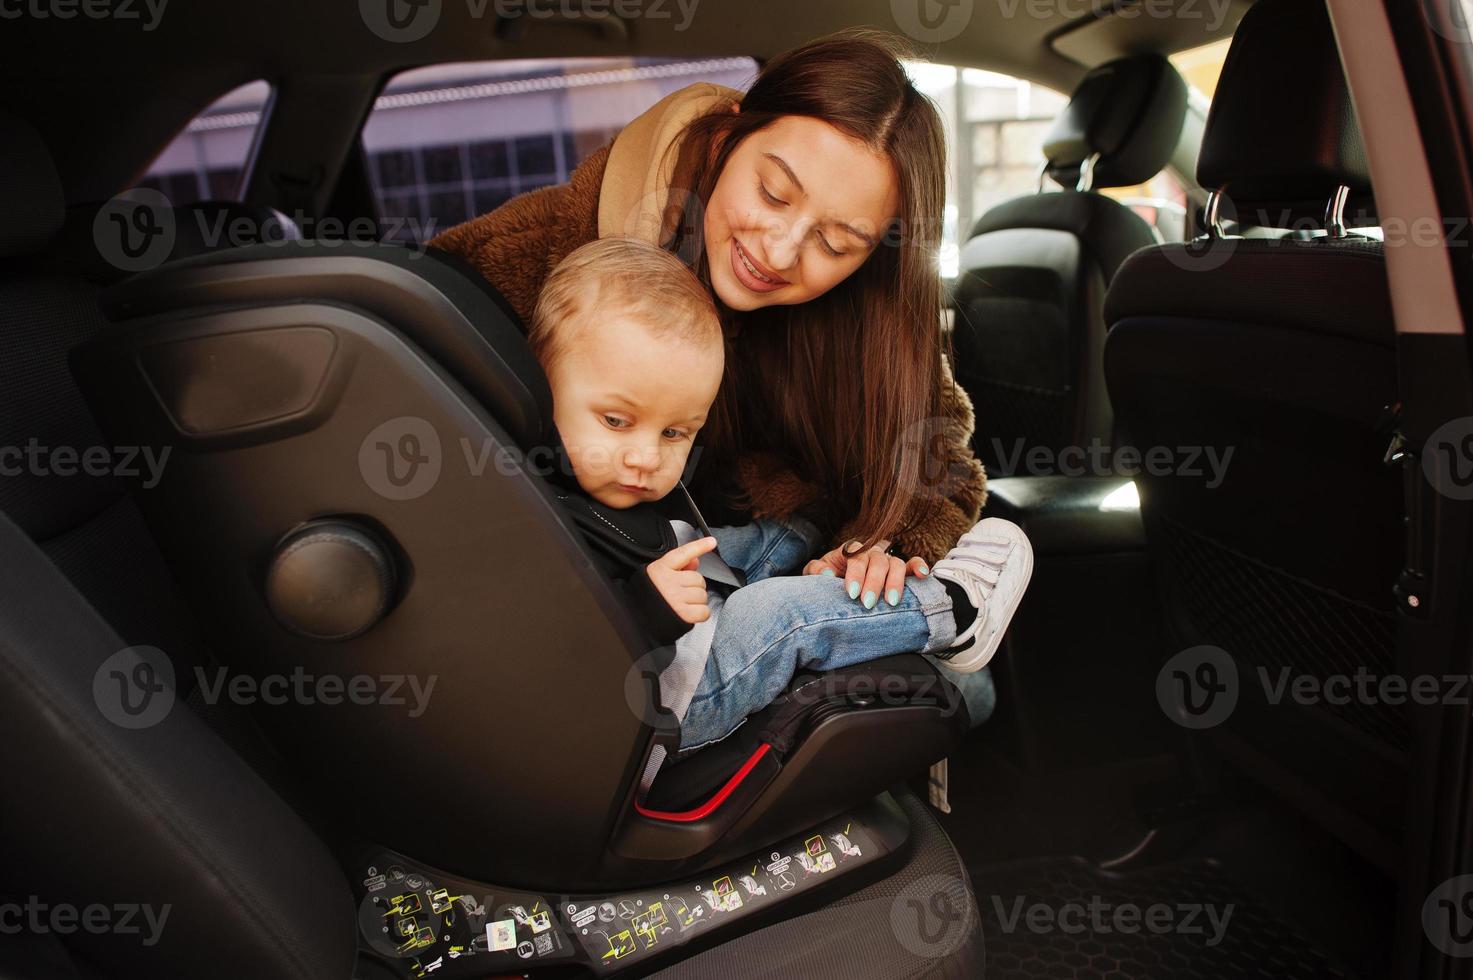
(1029, 331)
(96, 812)
(1282, 351)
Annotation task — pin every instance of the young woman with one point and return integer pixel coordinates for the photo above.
(811, 207)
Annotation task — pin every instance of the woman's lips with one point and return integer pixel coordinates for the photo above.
(745, 276)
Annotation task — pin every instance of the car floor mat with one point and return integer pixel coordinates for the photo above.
(1065, 918)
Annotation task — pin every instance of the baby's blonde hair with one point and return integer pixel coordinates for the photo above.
(611, 276)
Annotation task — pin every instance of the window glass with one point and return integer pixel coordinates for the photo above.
(995, 125)
(207, 160)
(449, 142)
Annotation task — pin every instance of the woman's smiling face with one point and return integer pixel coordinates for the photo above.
(798, 207)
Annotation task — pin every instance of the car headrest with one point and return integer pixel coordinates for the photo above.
(31, 203)
(1129, 112)
(1281, 127)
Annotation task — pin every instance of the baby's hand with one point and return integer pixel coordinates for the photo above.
(674, 575)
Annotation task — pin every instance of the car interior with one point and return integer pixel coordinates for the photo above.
(514, 804)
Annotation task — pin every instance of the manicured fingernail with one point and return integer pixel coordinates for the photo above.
(893, 597)
(869, 600)
(827, 571)
(854, 590)
(923, 569)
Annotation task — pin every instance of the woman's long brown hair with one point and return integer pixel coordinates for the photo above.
(840, 388)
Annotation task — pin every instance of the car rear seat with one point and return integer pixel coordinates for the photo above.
(183, 820)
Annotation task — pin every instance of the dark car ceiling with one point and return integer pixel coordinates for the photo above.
(108, 94)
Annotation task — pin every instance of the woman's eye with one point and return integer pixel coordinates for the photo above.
(830, 248)
(769, 196)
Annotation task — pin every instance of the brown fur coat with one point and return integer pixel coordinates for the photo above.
(516, 246)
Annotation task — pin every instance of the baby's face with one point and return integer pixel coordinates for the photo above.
(628, 406)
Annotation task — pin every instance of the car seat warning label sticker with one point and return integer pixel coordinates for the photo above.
(501, 935)
(622, 929)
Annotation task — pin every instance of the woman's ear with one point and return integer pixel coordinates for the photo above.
(736, 108)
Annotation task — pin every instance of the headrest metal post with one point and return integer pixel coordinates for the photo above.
(1335, 212)
(1087, 173)
(1211, 216)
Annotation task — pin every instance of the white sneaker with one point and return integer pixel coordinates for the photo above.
(992, 563)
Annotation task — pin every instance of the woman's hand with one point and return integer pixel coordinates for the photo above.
(869, 574)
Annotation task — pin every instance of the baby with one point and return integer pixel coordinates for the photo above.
(633, 351)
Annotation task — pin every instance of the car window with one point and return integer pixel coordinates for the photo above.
(207, 160)
(448, 142)
(995, 125)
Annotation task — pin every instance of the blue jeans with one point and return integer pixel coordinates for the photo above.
(782, 622)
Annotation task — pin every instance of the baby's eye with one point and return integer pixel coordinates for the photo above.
(614, 422)
(673, 434)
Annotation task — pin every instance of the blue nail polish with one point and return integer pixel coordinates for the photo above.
(869, 600)
(924, 569)
(828, 571)
(854, 590)
(893, 597)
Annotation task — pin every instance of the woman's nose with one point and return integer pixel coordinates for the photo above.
(784, 240)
